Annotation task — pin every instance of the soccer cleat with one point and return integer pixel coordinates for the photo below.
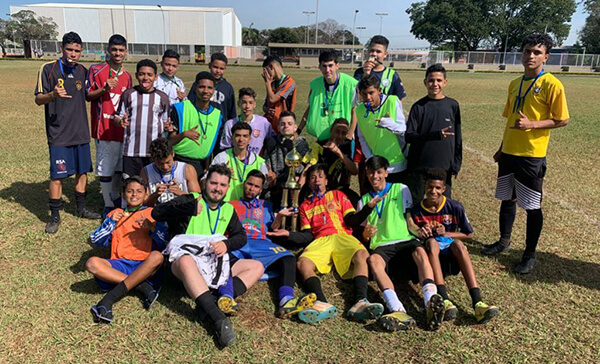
(151, 298)
(484, 313)
(450, 311)
(435, 312)
(224, 331)
(101, 314)
(395, 321)
(496, 248)
(318, 312)
(52, 225)
(525, 266)
(227, 305)
(295, 305)
(364, 310)
(87, 214)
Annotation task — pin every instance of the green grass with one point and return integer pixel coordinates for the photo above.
(551, 315)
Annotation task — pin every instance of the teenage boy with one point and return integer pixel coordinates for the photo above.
(280, 88)
(167, 178)
(143, 113)
(443, 224)
(257, 217)
(60, 88)
(261, 128)
(331, 96)
(136, 242)
(204, 215)
(394, 244)
(240, 160)
(167, 82)
(536, 104)
(381, 127)
(106, 83)
(196, 125)
(389, 80)
(434, 133)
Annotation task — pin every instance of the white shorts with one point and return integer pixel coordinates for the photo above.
(109, 158)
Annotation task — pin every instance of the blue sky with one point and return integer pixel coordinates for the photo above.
(264, 15)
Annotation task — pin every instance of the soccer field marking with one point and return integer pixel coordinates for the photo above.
(549, 195)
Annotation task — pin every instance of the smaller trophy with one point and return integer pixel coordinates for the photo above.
(293, 160)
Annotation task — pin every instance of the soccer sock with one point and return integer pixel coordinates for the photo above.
(145, 288)
(429, 289)
(313, 285)
(106, 188)
(115, 188)
(441, 289)
(206, 302)
(80, 200)
(535, 221)
(55, 206)
(392, 301)
(113, 296)
(285, 293)
(227, 288)
(475, 295)
(508, 211)
(360, 287)
(239, 288)
(288, 270)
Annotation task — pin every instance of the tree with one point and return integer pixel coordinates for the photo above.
(26, 27)
(3, 36)
(252, 37)
(589, 35)
(283, 35)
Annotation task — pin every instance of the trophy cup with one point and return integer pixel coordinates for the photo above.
(293, 160)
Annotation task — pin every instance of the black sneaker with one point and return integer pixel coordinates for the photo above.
(52, 225)
(496, 248)
(87, 214)
(526, 265)
(224, 331)
(151, 298)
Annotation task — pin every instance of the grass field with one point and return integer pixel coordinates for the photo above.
(551, 315)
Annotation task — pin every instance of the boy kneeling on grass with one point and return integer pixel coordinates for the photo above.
(443, 224)
(136, 242)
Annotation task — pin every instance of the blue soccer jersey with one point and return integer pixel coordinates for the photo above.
(451, 214)
(256, 217)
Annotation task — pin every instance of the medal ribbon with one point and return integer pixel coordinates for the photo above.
(370, 108)
(237, 166)
(521, 100)
(62, 70)
(202, 127)
(381, 193)
(212, 228)
(335, 85)
(162, 178)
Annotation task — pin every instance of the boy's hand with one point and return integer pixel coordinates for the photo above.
(374, 201)
(124, 122)
(279, 233)
(267, 76)
(117, 215)
(333, 148)
(368, 66)
(161, 188)
(174, 188)
(439, 228)
(497, 155)
(144, 223)
(425, 232)
(192, 134)
(370, 231)
(446, 133)
(59, 91)
(271, 176)
(287, 212)
(200, 206)
(219, 248)
(523, 123)
(180, 94)
(169, 125)
(110, 83)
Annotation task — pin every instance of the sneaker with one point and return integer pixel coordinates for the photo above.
(224, 331)
(151, 298)
(101, 314)
(52, 225)
(227, 305)
(87, 214)
(496, 248)
(450, 311)
(395, 321)
(295, 305)
(526, 265)
(318, 312)
(484, 313)
(435, 312)
(364, 310)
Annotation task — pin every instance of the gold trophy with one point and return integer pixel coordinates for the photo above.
(293, 160)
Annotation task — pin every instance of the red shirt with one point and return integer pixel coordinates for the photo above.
(105, 107)
(325, 215)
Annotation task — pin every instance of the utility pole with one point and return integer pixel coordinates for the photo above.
(125, 22)
(381, 15)
(164, 28)
(317, 24)
(354, 31)
(308, 14)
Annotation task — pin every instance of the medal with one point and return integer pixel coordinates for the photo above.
(127, 214)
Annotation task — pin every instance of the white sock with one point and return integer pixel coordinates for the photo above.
(428, 290)
(106, 187)
(392, 301)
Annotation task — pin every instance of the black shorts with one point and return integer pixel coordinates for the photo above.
(132, 166)
(198, 164)
(521, 178)
(395, 253)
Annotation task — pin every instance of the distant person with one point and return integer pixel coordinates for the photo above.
(61, 89)
(536, 104)
(281, 90)
(167, 82)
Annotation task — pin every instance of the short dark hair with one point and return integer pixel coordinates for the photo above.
(117, 39)
(339, 121)
(145, 63)
(218, 57)
(379, 39)
(328, 56)
(316, 168)
(136, 179)
(204, 76)
(246, 91)
(218, 169)
(367, 82)
(376, 162)
(285, 113)
(435, 68)
(256, 173)
(241, 126)
(71, 37)
(270, 59)
(538, 39)
(169, 53)
(436, 174)
(160, 148)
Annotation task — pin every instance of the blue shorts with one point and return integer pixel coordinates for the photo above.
(66, 161)
(128, 266)
(265, 251)
(444, 243)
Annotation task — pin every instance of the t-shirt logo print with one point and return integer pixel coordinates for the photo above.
(537, 90)
(115, 98)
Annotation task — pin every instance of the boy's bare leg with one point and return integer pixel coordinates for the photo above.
(460, 252)
(248, 271)
(145, 270)
(423, 265)
(378, 265)
(186, 270)
(102, 270)
(434, 259)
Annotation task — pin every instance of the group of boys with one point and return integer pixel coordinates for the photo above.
(202, 188)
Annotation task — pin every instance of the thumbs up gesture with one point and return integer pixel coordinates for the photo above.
(523, 122)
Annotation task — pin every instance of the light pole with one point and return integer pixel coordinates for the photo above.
(125, 20)
(353, 31)
(381, 15)
(164, 28)
(359, 31)
(317, 24)
(308, 14)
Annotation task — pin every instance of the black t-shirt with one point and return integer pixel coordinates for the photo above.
(397, 88)
(337, 174)
(428, 149)
(66, 119)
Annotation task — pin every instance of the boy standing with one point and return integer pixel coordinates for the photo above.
(167, 82)
(61, 89)
(434, 134)
(106, 83)
(280, 88)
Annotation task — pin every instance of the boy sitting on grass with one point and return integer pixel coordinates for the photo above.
(136, 242)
